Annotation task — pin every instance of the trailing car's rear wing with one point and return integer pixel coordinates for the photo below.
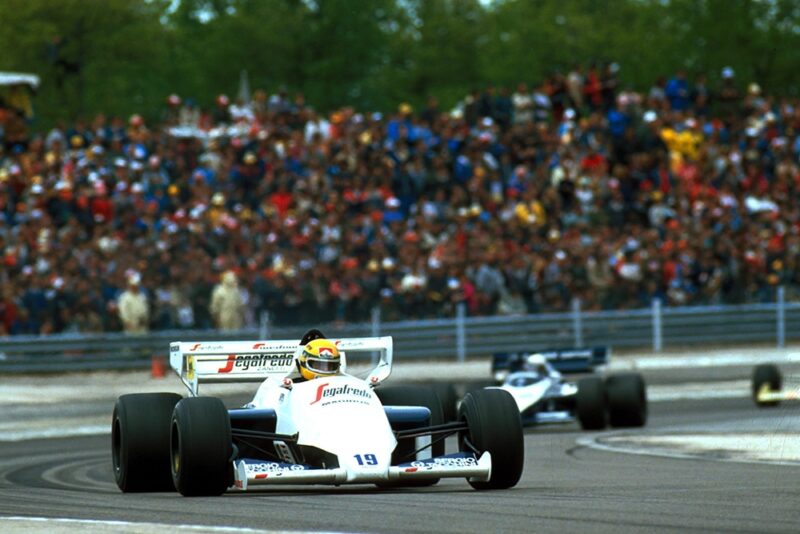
(253, 361)
(580, 360)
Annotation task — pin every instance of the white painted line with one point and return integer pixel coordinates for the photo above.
(24, 524)
(773, 448)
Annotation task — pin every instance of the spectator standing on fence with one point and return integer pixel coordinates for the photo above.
(227, 306)
(133, 307)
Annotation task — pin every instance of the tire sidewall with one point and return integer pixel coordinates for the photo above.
(494, 426)
(201, 447)
(766, 374)
(140, 441)
(590, 403)
(627, 400)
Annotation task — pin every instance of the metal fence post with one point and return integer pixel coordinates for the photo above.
(263, 325)
(461, 337)
(375, 320)
(657, 341)
(577, 325)
(781, 318)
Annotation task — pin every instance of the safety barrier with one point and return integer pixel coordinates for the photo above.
(459, 338)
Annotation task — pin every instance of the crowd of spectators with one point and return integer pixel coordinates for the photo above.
(517, 201)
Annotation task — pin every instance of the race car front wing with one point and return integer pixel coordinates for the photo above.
(249, 472)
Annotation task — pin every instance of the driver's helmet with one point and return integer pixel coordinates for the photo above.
(536, 363)
(319, 357)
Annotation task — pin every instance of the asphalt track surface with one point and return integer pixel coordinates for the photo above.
(566, 487)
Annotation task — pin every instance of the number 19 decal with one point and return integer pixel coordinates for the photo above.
(366, 459)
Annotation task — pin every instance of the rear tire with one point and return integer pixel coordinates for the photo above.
(766, 374)
(140, 441)
(413, 396)
(478, 385)
(494, 426)
(590, 403)
(448, 398)
(627, 400)
(201, 447)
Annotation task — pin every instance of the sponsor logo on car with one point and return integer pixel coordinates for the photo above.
(202, 347)
(273, 467)
(446, 462)
(327, 393)
(245, 362)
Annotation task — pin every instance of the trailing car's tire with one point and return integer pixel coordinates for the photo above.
(201, 447)
(140, 441)
(494, 426)
(590, 403)
(627, 400)
(766, 374)
(413, 396)
(448, 398)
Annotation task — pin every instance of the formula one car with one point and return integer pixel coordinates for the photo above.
(543, 396)
(334, 430)
(767, 386)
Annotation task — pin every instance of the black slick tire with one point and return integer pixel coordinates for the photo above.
(448, 398)
(626, 395)
(590, 403)
(494, 426)
(140, 441)
(201, 447)
(766, 374)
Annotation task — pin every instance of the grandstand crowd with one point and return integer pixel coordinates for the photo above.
(518, 201)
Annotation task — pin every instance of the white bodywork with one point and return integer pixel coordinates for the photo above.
(340, 414)
(332, 414)
(531, 387)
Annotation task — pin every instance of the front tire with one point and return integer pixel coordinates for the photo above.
(494, 426)
(766, 374)
(627, 400)
(201, 447)
(590, 403)
(140, 441)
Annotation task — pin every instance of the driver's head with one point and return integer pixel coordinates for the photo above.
(537, 362)
(320, 357)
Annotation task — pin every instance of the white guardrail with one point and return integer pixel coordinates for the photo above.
(458, 338)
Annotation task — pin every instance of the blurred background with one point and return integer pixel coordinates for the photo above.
(125, 56)
(254, 167)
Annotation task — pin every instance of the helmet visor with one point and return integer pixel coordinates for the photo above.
(324, 366)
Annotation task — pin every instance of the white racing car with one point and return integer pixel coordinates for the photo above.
(335, 430)
(768, 389)
(543, 396)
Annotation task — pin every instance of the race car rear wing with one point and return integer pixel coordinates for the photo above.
(580, 360)
(211, 362)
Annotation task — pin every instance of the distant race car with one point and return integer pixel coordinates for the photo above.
(334, 430)
(542, 395)
(767, 386)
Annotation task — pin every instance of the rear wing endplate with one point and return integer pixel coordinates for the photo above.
(211, 362)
